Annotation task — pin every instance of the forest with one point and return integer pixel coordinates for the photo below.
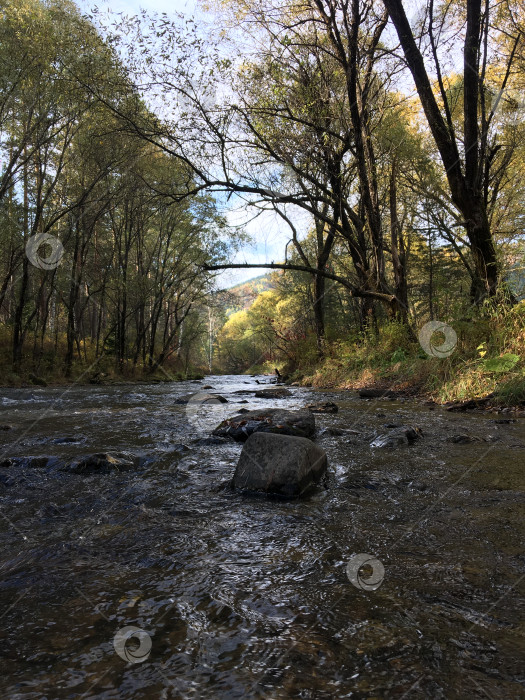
(387, 141)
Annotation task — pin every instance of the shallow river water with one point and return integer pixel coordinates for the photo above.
(238, 597)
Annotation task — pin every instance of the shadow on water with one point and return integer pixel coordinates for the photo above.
(249, 598)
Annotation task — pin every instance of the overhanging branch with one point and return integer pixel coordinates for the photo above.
(354, 291)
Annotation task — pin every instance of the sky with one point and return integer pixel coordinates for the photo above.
(133, 6)
(268, 232)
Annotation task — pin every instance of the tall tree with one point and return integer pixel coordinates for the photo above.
(467, 163)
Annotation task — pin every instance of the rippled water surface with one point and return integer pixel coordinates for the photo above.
(248, 597)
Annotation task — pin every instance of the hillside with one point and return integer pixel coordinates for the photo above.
(241, 296)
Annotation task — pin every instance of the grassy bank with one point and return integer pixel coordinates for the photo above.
(488, 358)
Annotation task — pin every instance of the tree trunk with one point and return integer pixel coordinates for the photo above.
(400, 306)
(465, 187)
(319, 316)
(485, 280)
(18, 334)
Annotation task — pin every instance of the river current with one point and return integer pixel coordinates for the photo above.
(240, 597)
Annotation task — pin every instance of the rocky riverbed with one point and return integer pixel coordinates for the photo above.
(116, 514)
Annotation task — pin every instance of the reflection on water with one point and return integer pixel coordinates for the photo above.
(249, 598)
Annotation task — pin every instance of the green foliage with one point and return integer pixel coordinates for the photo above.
(504, 363)
(398, 355)
(132, 283)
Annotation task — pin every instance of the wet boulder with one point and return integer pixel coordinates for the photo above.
(276, 393)
(270, 420)
(323, 407)
(406, 435)
(279, 465)
(102, 463)
(201, 397)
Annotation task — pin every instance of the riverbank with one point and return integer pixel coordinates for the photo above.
(425, 380)
(86, 377)
(486, 361)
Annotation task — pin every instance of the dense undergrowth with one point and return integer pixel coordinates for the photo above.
(44, 365)
(489, 358)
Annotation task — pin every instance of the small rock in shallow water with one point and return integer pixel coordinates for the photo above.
(211, 441)
(323, 407)
(463, 439)
(200, 397)
(102, 463)
(331, 432)
(180, 448)
(69, 440)
(418, 485)
(401, 436)
(279, 465)
(279, 393)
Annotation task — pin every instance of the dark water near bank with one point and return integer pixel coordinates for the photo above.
(249, 598)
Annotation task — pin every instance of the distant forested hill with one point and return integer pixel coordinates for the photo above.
(242, 296)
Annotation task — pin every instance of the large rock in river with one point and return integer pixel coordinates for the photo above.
(269, 420)
(279, 465)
